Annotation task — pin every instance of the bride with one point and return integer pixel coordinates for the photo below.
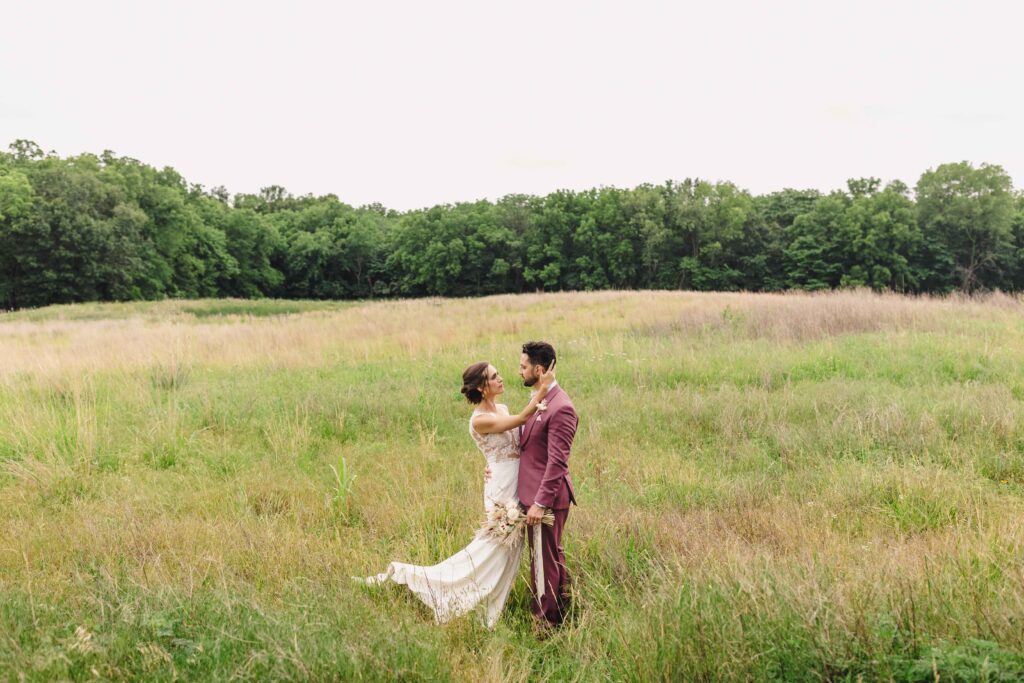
(482, 573)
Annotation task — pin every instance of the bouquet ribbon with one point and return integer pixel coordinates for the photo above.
(538, 561)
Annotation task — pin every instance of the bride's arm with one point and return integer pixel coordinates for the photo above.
(486, 423)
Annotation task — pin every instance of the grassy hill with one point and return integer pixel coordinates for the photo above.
(771, 487)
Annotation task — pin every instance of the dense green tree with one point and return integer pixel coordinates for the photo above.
(16, 203)
(427, 254)
(1015, 277)
(714, 218)
(252, 243)
(606, 243)
(693, 246)
(81, 241)
(364, 250)
(514, 214)
(814, 256)
(761, 252)
(881, 238)
(549, 240)
(967, 213)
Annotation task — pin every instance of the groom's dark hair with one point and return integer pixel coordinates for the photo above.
(540, 353)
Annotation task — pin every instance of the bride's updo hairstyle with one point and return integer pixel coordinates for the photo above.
(473, 380)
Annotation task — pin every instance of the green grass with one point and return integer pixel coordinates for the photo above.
(757, 502)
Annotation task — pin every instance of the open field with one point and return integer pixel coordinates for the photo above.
(771, 487)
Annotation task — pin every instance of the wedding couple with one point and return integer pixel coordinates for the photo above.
(527, 462)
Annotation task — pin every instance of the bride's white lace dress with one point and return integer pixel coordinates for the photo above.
(482, 573)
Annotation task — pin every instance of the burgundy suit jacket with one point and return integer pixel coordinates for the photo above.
(544, 445)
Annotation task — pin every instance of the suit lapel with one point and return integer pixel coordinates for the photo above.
(533, 418)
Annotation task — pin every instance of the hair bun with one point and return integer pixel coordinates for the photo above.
(472, 394)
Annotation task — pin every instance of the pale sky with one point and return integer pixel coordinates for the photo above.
(422, 103)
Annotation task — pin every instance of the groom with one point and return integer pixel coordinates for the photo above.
(544, 481)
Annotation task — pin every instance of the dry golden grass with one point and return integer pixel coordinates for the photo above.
(420, 329)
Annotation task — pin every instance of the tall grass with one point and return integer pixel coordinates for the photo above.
(772, 487)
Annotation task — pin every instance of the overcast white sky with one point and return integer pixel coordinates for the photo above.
(419, 103)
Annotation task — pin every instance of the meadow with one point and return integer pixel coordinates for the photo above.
(772, 487)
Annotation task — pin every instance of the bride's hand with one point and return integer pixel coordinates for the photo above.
(545, 382)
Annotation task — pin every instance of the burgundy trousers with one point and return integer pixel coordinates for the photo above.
(551, 608)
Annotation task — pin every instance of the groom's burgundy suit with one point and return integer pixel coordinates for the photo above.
(544, 479)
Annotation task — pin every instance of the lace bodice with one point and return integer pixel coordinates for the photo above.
(499, 447)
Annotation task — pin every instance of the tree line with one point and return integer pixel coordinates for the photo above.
(111, 228)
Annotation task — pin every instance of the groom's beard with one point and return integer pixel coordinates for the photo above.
(529, 382)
